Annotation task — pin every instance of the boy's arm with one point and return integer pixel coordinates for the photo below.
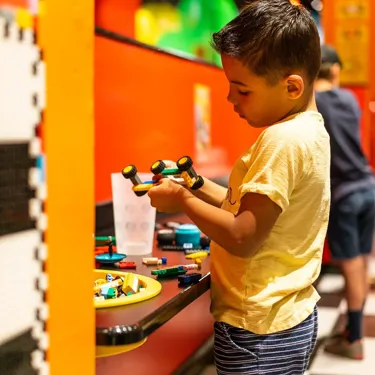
(241, 235)
(274, 171)
(211, 192)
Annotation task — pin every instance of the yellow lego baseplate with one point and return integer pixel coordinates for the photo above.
(150, 288)
(106, 351)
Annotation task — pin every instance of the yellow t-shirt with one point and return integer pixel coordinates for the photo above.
(272, 290)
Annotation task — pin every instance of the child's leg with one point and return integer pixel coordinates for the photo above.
(238, 351)
(344, 243)
(350, 236)
(366, 228)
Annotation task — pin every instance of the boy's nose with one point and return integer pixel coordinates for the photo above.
(231, 99)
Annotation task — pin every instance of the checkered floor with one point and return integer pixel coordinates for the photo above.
(332, 310)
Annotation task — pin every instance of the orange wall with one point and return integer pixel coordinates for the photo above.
(144, 110)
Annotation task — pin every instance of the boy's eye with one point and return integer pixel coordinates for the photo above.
(243, 93)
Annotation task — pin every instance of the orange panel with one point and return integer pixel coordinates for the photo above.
(66, 34)
(144, 110)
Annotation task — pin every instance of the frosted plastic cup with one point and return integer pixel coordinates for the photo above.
(134, 217)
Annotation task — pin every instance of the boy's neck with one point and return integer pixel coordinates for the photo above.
(303, 106)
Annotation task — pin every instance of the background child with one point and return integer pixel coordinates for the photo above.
(269, 226)
(352, 218)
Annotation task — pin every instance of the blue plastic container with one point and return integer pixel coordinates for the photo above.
(188, 234)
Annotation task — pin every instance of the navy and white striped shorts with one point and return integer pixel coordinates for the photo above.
(238, 351)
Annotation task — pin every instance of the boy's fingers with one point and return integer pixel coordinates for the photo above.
(156, 187)
(157, 177)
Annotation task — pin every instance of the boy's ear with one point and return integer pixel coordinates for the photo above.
(294, 86)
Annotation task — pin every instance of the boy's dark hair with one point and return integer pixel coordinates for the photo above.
(273, 38)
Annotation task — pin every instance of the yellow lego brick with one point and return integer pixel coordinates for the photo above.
(130, 284)
(199, 254)
(187, 178)
(143, 187)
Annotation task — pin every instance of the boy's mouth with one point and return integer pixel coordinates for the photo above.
(239, 114)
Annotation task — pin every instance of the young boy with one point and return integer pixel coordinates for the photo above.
(352, 218)
(269, 226)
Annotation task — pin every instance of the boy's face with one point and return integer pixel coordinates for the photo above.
(252, 96)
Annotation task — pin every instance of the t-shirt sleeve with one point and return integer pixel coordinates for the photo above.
(275, 170)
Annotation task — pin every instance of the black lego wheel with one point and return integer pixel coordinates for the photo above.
(198, 183)
(184, 163)
(140, 193)
(158, 167)
(205, 242)
(130, 171)
(166, 236)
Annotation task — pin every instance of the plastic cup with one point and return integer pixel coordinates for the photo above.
(134, 217)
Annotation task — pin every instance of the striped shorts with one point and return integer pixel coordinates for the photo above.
(238, 351)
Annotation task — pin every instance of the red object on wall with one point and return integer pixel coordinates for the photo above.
(15, 3)
(326, 254)
(117, 15)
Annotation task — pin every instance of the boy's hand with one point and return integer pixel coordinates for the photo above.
(167, 196)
